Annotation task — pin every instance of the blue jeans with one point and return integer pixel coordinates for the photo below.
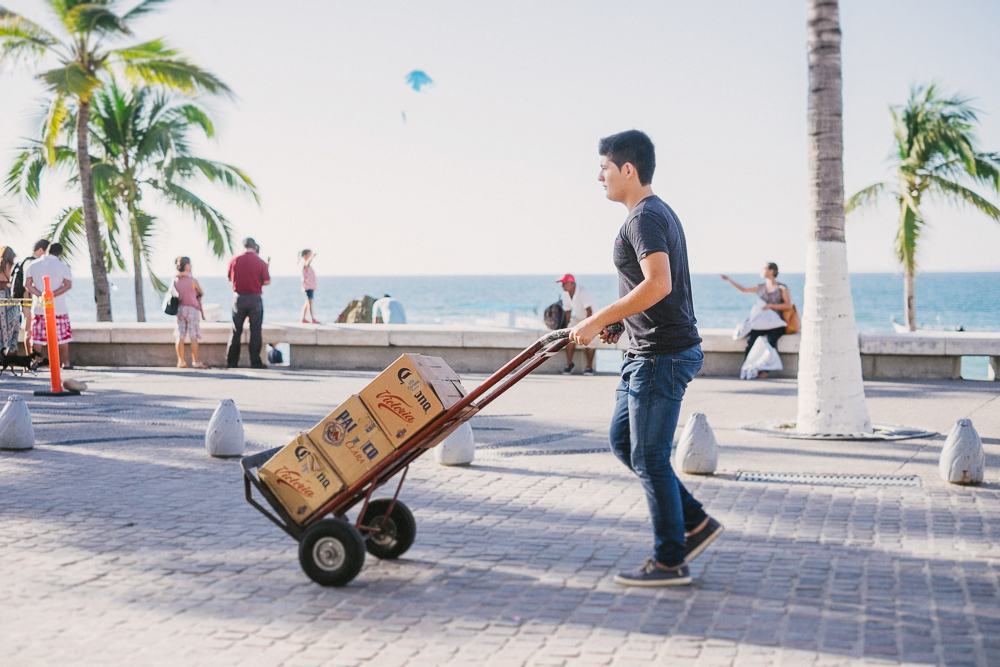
(647, 405)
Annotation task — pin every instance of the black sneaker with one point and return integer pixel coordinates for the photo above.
(588, 371)
(652, 575)
(569, 369)
(697, 542)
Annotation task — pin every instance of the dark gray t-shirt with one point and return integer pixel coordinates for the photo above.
(669, 325)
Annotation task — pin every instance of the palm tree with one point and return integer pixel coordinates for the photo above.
(935, 148)
(82, 58)
(831, 397)
(141, 142)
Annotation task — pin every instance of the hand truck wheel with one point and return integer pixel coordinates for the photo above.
(332, 552)
(399, 532)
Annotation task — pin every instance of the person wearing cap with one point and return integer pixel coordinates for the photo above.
(578, 303)
(248, 274)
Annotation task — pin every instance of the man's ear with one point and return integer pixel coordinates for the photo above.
(628, 170)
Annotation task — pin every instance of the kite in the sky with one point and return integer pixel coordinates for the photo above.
(417, 80)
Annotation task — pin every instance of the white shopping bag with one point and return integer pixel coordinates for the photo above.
(762, 357)
(759, 319)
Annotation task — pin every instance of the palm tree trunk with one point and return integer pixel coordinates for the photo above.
(140, 306)
(909, 294)
(102, 292)
(831, 397)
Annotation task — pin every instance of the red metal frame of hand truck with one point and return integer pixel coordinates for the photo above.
(513, 371)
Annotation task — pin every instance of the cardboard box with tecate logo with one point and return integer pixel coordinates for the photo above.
(300, 477)
(410, 393)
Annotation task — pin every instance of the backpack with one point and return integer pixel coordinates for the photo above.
(17, 289)
(275, 357)
(555, 316)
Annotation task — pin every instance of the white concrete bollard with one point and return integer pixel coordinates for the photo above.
(458, 449)
(697, 452)
(16, 430)
(962, 458)
(224, 436)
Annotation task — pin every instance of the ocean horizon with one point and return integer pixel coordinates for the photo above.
(943, 300)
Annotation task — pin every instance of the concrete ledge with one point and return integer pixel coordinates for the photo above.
(923, 355)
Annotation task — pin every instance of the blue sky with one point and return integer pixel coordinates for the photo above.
(494, 170)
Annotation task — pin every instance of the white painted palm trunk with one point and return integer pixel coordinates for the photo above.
(831, 390)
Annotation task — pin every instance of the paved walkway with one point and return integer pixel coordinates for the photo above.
(122, 542)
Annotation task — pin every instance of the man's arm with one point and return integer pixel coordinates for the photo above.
(655, 285)
(29, 284)
(265, 276)
(65, 287)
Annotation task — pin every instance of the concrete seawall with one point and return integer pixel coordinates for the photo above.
(932, 355)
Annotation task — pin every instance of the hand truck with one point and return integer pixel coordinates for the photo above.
(331, 548)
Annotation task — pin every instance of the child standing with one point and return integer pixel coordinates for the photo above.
(308, 285)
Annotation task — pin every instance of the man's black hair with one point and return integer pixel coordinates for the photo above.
(632, 146)
(56, 249)
(250, 244)
(773, 267)
(42, 244)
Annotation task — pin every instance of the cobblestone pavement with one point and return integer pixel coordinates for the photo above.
(122, 542)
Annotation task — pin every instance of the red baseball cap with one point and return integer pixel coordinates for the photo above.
(568, 278)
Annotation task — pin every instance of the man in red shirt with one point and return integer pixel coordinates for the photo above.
(248, 274)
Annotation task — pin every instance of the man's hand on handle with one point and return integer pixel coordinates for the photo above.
(590, 328)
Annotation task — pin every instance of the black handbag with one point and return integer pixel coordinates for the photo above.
(170, 303)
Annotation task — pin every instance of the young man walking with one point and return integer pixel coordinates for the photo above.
(664, 354)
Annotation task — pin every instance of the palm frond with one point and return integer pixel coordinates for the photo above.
(143, 8)
(55, 121)
(6, 217)
(864, 198)
(217, 227)
(93, 17)
(21, 39)
(961, 195)
(233, 178)
(68, 229)
(71, 79)
(192, 114)
(155, 63)
(23, 178)
(910, 226)
(144, 230)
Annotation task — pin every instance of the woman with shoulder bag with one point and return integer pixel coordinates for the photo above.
(189, 313)
(776, 297)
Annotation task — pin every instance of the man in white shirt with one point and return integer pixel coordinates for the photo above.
(579, 304)
(388, 311)
(60, 280)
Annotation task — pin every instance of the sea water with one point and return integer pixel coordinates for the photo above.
(944, 300)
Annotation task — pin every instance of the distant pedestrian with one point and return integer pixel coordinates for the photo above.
(10, 310)
(664, 355)
(388, 311)
(61, 281)
(308, 286)
(248, 273)
(18, 290)
(776, 297)
(189, 312)
(579, 304)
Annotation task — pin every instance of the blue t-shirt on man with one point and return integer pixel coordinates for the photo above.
(669, 325)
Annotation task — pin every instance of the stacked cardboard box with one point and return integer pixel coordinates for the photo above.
(361, 433)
